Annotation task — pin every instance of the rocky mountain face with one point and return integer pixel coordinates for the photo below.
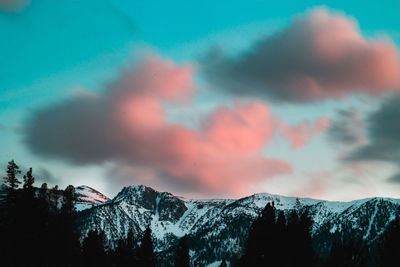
(217, 228)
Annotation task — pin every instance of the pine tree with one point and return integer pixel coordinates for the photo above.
(93, 249)
(29, 180)
(68, 202)
(11, 242)
(347, 253)
(44, 193)
(53, 199)
(130, 242)
(146, 254)
(282, 242)
(260, 248)
(294, 235)
(125, 254)
(29, 223)
(182, 258)
(391, 243)
(305, 240)
(67, 234)
(11, 179)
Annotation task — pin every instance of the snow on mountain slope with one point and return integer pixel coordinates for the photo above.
(87, 196)
(218, 228)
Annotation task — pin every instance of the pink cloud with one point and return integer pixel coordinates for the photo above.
(127, 124)
(301, 134)
(320, 55)
(369, 66)
(241, 128)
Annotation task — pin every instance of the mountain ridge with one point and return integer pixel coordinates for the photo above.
(218, 228)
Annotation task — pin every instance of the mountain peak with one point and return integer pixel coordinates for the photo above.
(139, 195)
(227, 221)
(135, 190)
(87, 195)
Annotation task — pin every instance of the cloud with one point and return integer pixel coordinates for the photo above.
(383, 134)
(320, 55)
(45, 176)
(382, 140)
(126, 124)
(395, 179)
(348, 129)
(13, 5)
(303, 133)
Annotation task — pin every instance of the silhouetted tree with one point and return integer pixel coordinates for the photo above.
(53, 199)
(274, 242)
(28, 222)
(44, 193)
(283, 239)
(347, 253)
(29, 180)
(306, 256)
(11, 223)
(391, 243)
(294, 234)
(93, 250)
(11, 179)
(146, 254)
(262, 238)
(125, 254)
(182, 258)
(67, 234)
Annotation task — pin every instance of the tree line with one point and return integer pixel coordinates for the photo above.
(38, 227)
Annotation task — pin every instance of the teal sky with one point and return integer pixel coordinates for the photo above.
(54, 50)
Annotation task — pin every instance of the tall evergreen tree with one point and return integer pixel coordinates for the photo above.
(68, 234)
(391, 243)
(53, 199)
(182, 258)
(44, 193)
(293, 234)
(125, 254)
(260, 248)
(29, 180)
(347, 253)
(11, 179)
(146, 254)
(306, 256)
(28, 189)
(93, 250)
(283, 239)
(11, 223)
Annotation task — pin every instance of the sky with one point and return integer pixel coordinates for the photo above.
(204, 99)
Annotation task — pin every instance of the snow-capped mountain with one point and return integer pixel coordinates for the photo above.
(217, 229)
(87, 196)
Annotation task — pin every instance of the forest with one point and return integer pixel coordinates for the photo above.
(40, 228)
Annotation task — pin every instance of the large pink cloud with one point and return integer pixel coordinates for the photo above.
(320, 55)
(127, 124)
